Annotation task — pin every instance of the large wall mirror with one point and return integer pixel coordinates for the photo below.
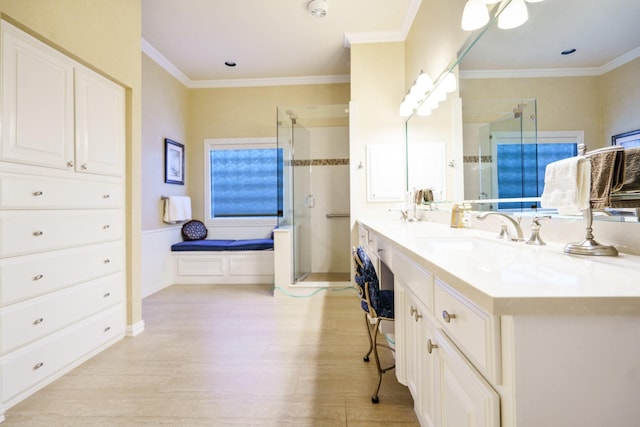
(524, 103)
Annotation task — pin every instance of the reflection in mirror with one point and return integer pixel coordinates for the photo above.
(585, 97)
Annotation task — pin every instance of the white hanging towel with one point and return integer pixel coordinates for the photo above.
(177, 208)
(567, 185)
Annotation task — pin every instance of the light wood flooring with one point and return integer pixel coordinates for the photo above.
(229, 356)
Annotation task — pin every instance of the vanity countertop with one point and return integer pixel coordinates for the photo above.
(512, 278)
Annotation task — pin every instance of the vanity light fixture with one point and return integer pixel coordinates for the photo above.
(423, 96)
(475, 15)
(318, 8)
(449, 83)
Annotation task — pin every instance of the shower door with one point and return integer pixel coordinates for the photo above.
(303, 201)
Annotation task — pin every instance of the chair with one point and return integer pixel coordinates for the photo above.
(377, 305)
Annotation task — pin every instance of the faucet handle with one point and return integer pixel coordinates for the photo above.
(535, 238)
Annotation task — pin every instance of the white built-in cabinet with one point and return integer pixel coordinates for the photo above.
(62, 223)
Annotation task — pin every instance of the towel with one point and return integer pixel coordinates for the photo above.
(631, 170)
(607, 174)
(566, 185)
(177, 208)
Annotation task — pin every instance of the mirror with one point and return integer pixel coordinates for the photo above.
(584, 97)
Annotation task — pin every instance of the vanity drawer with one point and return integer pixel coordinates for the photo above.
(416, 278)
(30, 368)
(28, 321)
(33, 192)
(476, 332)
(29, 276)
(24, 232)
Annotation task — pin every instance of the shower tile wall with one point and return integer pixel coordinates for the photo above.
(330, 185)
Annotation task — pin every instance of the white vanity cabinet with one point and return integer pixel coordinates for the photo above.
(543, 339)
(447, 388)
(62, 215)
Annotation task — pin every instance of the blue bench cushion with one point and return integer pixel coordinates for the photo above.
(223, 245)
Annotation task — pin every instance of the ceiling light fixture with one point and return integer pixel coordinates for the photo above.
(318, 8)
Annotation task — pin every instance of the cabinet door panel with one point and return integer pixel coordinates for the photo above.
(466, 399)
(37, 102)
(99, 124)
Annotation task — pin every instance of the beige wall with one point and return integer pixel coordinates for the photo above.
(104, 35)
(165, 103)
(242, 113)
(621, 99)
(563, 103)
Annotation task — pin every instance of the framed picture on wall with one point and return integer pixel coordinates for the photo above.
(173, 162)
(627, 139)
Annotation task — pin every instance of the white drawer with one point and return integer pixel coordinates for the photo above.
(416, 278)
(32, 192)
(476, 332)
(24, 232)
(382, 249)
(31, 275)
(31, 367)
(28, 321)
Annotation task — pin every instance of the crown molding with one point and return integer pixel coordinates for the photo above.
(385, 36)
(553, 72)
(168, 66)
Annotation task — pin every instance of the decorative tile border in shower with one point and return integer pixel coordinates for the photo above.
(321, 162)
(476, 159)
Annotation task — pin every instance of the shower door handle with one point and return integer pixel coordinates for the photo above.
(309, 201)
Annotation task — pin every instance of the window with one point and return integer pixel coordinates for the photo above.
(243, 181)
(521, 169)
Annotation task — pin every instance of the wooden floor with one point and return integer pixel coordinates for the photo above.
(229, 356)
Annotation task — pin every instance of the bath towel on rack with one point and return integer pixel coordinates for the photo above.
(176, 209)
(566, 185)
(607, 174)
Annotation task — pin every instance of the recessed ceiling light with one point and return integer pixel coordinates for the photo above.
(568, 51)
(230, 63)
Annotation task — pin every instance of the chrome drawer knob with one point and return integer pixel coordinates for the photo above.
(84, 167)
(107, 329)
(431, 345)
(38, 277)
(107, 261)
(38, 366)
(38, 321)
(106, 226)
(412, 310)
(106, 196)
(70, 164)
(447, 316)
(38, 233)
(38, 193)
(107, 295)
(417, 316)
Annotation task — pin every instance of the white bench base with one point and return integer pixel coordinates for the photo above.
(224, 267)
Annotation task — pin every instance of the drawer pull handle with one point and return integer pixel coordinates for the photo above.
(447, 316)
(38, 233)
(106, 226)
(107, 329)
(38, 366)
(417, 316)
(38, 277)
(107, 295)
(431, 346)
(107, 261)
(84, 166)
(38, 193)
(38, 321)
(70, 164)
(106, 196)
(412, 310)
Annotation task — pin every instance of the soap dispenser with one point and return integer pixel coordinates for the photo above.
(535, 238)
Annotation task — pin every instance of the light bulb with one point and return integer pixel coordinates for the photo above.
(424, 82)
(423, 110)
(449, 83)
(475, 15)
(514, 15)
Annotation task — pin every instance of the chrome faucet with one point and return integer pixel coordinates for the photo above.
(504, 231)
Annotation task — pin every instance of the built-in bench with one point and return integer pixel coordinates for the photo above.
(214, 261)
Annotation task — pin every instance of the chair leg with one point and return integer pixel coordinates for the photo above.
(368, 325)
(381, 370)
